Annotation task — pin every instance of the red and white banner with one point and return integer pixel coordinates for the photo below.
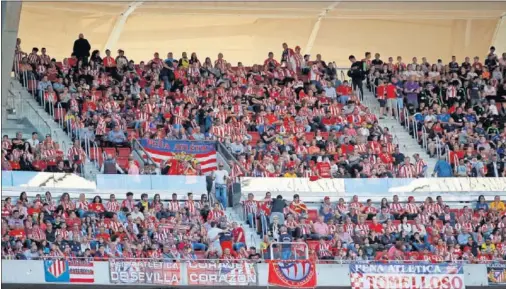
(407, 276)
(81, 271)
(292, 274)
(204, 153)
(241, 273)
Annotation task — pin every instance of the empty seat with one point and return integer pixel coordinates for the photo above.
(124, 152)
(110, 151)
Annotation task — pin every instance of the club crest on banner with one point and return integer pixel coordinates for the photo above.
(296, 274)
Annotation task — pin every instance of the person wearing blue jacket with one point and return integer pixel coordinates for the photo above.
(442, 169)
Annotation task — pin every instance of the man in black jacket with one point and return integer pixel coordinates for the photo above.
(495, 167)
(356, 73)
(82, 49)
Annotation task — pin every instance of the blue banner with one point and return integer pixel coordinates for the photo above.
(179, 146)
(56, 271)
(400, 275)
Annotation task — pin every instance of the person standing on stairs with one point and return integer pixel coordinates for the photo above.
(220, 178)
(356, 73)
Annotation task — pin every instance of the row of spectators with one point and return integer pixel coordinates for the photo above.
(189, 230)
(173, 230)
(35, 155)
(428, 231)
(459, 109)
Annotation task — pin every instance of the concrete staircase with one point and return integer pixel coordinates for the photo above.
(28, 113)
(252, 238)
(407, 144)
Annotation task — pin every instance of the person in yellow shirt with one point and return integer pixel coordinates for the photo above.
(497, 204)
(488, 247)
(290, 173)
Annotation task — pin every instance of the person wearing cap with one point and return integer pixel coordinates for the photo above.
(220, 178)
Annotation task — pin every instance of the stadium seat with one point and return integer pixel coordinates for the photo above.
(312, 215)
(109, 151)
(124, 152)
(122, 162)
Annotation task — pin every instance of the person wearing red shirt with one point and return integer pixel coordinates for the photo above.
(297, 207)
(96, 206)
(18, 233)
(381, 92)
(238, 237)
(103, 234)
(323, 169)
(391, 95)
(343, 92)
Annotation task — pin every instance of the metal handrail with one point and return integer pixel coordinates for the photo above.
(229, 156)
(61, 118)
(415, 129)
(96, 150)
(406, 119)
(438, 148)
(424, 136)
(290, 243)
(137, 144)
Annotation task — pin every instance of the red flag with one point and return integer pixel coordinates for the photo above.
(292, 273)
(314, 178)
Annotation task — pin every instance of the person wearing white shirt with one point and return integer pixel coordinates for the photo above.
(137, 214)
(418, 227)
(220, 177)
(330, 91)
(237, 147)
(213, 235)
(34, 141)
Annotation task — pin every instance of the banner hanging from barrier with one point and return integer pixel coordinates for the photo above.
(496, 274)
(216, 274)
(292, 274)
(203, 153)
(403, 276)
(144, 272)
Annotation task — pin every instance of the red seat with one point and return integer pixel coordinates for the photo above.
(59, 64)
(94, 154)
(312, 245)
(124, 152)
(59, 114)
(32, 85)
(312, 215)
(122, 162)
(98, 94)
(254, 136)
(110, 151)
(310, 136)
(325, 135)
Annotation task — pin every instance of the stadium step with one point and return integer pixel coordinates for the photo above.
(252, 238)
(407, 143)
(34, 113)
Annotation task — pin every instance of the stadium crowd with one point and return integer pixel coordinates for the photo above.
(291, 117)
(169, 230)
(278, 118)
(173, 230)
(361, 231)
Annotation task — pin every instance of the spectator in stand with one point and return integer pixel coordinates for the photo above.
(82, 49)
(442, 168)
(221, 177)
(110, 166)
(117, 137)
